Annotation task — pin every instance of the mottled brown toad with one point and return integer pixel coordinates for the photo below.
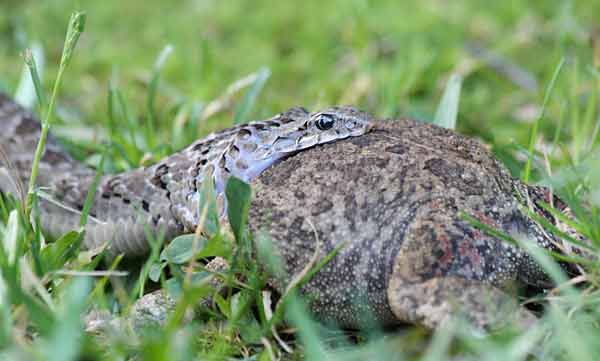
(395, 197)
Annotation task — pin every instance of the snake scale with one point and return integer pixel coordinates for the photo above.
(162, 197)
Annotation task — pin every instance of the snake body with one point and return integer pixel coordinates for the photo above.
(163, 197)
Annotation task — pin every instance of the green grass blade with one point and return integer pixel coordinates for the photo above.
(238, 204)
(447, 111)
(74, 30)
(536, 124)
(307, 329)
(441, 343)
(6, 319)
(10, 238)
(91, 194)
(152, 91)
(65, 339)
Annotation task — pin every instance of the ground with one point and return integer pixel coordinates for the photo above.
(388, 58)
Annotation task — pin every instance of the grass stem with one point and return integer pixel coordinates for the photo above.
(74, 30)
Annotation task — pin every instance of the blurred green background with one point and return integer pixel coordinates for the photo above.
(391, 58)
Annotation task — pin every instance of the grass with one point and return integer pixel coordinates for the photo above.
(149, 77)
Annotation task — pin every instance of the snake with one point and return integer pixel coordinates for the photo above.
(164, 198)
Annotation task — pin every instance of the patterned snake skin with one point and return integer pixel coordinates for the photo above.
(162, 197)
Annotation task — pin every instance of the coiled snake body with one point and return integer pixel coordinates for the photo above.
(163, 197)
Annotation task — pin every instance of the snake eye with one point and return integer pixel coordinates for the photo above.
(325, 122)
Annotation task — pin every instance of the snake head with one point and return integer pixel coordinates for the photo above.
(340, 122)
(294, 130)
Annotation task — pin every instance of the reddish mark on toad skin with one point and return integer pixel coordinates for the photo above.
(446, 245)
(483, 218)
(466, 250)
(435, 203)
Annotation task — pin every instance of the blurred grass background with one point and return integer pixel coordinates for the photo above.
(391, 58)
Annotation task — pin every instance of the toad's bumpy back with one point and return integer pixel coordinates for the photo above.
(394, 199)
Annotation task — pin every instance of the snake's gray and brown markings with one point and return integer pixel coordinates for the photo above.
(162, 197)
(394, 195)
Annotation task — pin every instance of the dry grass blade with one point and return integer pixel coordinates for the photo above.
(9, 174)
(91, 273)
(504, 66)
(266, 301)
(225, 101)
(31, 281)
